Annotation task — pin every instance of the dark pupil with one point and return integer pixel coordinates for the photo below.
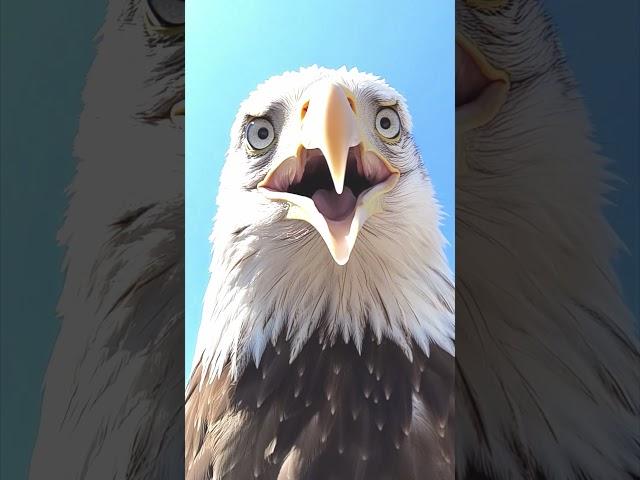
(263, 133)
(385, 122)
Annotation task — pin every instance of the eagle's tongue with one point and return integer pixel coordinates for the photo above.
(333, 206)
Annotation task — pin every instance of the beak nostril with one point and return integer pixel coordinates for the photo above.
(352, 104)
(303, 112)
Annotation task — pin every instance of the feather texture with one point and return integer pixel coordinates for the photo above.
(332, 413)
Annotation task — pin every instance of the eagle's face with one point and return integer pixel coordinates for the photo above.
(326, 215)
(329, 150)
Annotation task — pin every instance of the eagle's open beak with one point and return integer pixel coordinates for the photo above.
(335, 178)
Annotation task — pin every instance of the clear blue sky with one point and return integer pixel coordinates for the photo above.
(230, 49)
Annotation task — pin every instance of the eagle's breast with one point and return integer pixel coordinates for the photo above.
(335, 412)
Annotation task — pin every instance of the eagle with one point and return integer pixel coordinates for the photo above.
(326, 345)
(547, 351)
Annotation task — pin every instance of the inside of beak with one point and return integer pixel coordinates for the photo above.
(305, 181)
(332, 181)
(309, 175)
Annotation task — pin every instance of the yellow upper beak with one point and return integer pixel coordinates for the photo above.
(329, 124)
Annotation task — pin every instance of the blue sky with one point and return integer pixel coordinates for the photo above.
(230, 50)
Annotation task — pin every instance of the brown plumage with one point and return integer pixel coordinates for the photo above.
(333, 413)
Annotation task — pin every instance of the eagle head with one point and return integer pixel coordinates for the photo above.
(326, 220)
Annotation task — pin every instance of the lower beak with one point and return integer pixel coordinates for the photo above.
(360, 176)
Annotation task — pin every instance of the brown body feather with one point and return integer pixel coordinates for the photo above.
(332, 413)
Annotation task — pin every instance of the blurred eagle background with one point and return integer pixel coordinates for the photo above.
(111, 394)
(547, 378)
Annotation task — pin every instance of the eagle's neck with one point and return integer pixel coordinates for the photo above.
(263, 287)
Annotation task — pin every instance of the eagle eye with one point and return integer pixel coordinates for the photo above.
(260, 133)
(388, 122)
(167, 13)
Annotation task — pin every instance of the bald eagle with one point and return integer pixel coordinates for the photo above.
(546, 349)
(326, 348)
